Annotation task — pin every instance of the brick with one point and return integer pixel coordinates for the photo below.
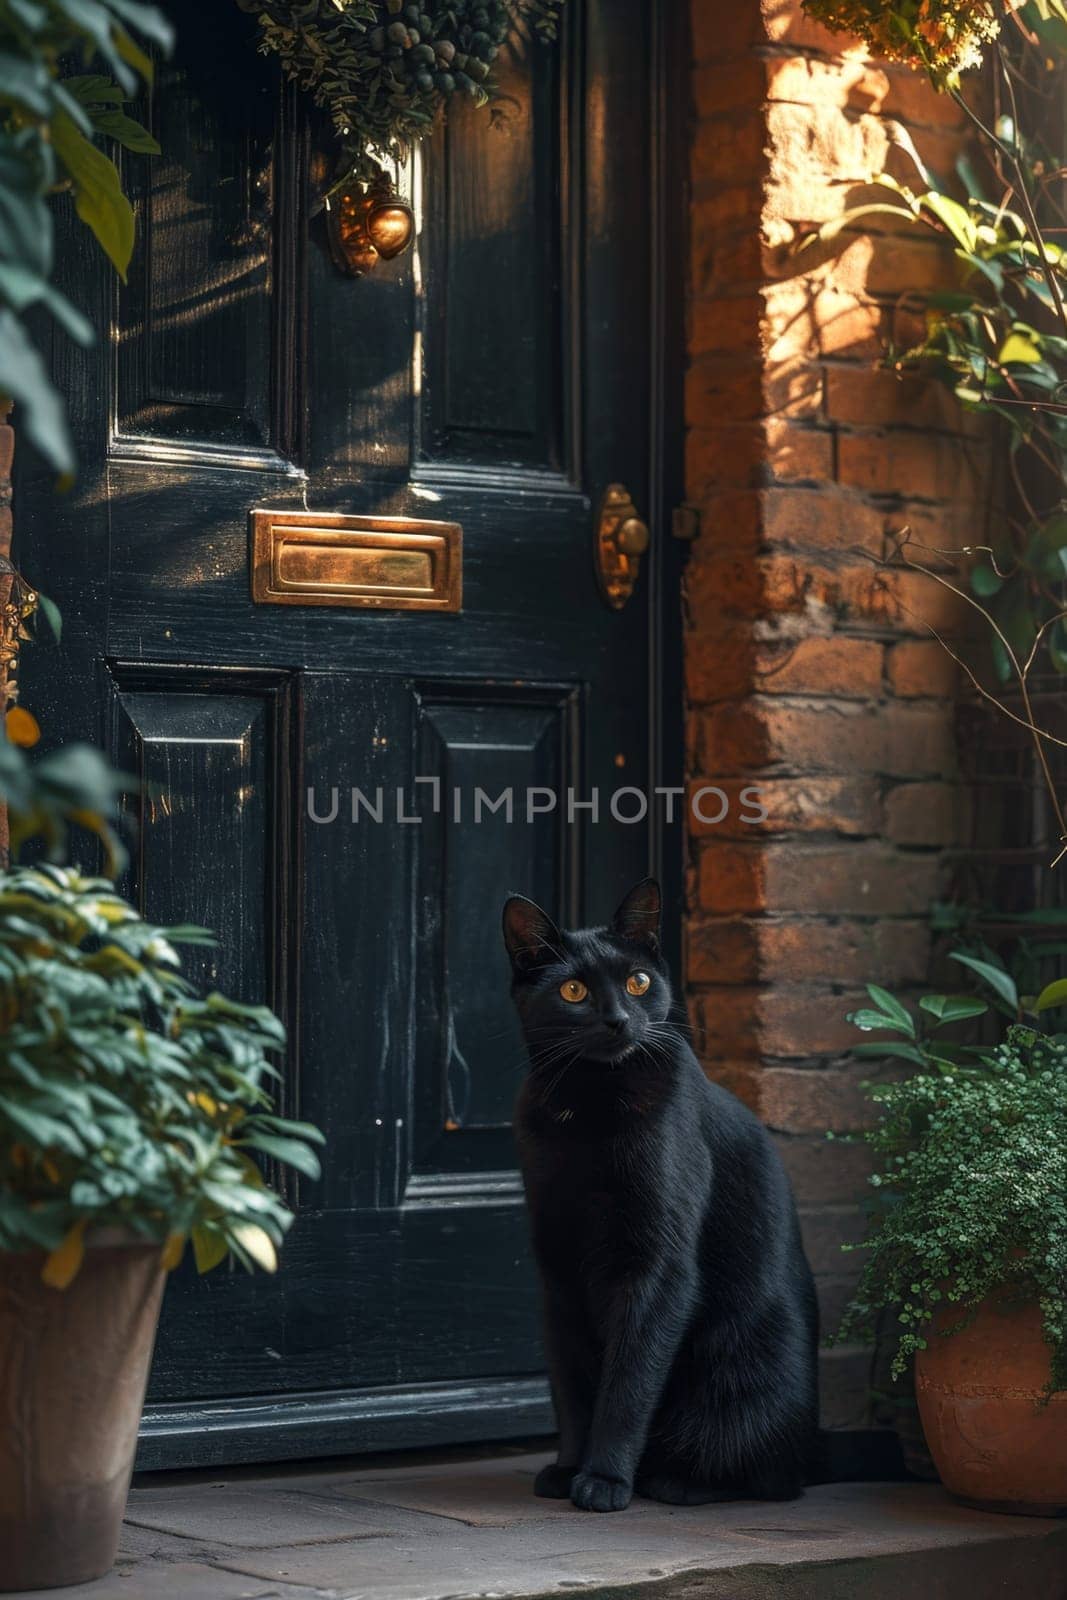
(916, 668)
(814, 519)
(816, 152)
(794, 389)
(863, 592)
(718, 666)
(719, 32)
(790, 25)
(737, 1022)
(725, 324)
(837, 666)
(835, 1290)
(729, 664)
(716, 388)
(846, 324)
(801, 1100)
(927, 814)
(825, 1171)
(737, 520)
(736, 260)
(806, 949)
(725, 251)
(858, 395)
(806, 80)
(859, 878)
(723, 457)
(913, 99)
(825, 1229)
(825, 736)
(727, 85)
(921, 465)
(796, 453)
(846, 805)
(723, 148)
(845, 1387)
(732, 877)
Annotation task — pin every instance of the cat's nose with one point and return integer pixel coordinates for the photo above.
(615, 1020)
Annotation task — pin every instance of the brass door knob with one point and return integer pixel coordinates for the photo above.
(622, 538)
(632, 537)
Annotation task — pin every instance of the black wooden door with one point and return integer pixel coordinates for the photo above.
(499, 377)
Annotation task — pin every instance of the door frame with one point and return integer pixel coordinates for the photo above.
(321, 1423)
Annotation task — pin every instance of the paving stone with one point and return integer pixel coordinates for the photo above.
(682, 1551)
(255, 1515)
(463, 1530)
(189, 1580)
(482, 1499)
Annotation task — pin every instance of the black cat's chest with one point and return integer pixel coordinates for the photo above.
(595, 1196)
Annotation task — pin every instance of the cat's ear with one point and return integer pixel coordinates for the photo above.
(638, 916)
(532, 938)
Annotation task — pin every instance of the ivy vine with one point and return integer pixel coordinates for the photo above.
(382, 69)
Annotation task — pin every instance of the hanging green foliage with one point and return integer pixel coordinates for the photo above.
(944, 37)
(383, 69)
(49, 123)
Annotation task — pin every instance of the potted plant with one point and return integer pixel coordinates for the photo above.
(968, 1248)
(131, 1114)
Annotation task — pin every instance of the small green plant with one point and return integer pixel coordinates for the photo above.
(973, 1174)
(971, 1181)
(126, 1100)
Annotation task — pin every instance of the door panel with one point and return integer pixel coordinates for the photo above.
(498, 377)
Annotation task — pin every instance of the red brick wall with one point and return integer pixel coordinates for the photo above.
(808, 669)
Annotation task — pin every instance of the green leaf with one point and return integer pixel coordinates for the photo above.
(131, 53)
(1001, 982)
(891, 1047)
(209, 1248)
(892, 1007)
(1057, 645)
(93, 88)
(98, 197)
(1018, 348)
(27, 171)
(956, 218)
(867, 1021)
(21, 287)
(1053, 994)
(51, 613)
(953, 1007)
(848, 219)
(291, 1151)
(126, 132)
(25, 380)
(27, 83)
(249, 1238)
(984, 581)
(148, 21)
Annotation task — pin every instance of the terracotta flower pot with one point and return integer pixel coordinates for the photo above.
(73, 1368)
(995, 1441)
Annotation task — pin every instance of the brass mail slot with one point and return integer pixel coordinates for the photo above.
(325, 558)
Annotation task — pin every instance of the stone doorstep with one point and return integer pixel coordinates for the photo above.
(473, 1529)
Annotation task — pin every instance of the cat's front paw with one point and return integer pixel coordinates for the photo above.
(591, 1492)
(554, 1482)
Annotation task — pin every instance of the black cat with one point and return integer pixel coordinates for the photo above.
(680, 1315)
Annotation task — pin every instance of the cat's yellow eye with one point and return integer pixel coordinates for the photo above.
(638, 983)
(573, 990)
